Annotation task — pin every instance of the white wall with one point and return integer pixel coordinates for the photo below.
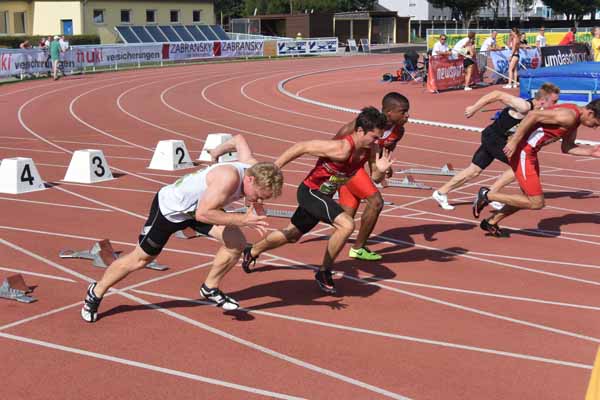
(417, 9)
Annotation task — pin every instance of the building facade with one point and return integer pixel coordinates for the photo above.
(91, 17)
(416, 9)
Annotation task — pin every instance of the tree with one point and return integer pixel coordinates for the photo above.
(525, 5)
(466, 8)
(298, 6)
(573, 9)
(229, 8)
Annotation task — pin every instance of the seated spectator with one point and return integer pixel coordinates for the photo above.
(440, 48)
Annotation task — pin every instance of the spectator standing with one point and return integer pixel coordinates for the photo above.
(55, 56)
(514, 45)
(540, 40)
(466, 48)
(523, 41)
(440, 48)
(596, 44)
(25, 45)
(569, 37)
(489, 44)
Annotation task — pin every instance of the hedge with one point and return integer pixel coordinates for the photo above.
(14, 41)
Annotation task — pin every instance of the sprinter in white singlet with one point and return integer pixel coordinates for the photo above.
(196, 201)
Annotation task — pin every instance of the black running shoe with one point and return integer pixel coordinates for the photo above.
(325, 281)
(247, 259)
(89, 311)
(492, 229)
(481, 200)
(219, 298)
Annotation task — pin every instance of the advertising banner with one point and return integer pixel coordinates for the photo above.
(529, 59)
(563, 55)
(446, 72)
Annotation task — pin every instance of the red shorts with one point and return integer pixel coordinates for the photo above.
(359, 187)
(526, 167)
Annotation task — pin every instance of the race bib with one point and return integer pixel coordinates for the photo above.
(330, 186)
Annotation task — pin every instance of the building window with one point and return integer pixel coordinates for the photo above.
(412, 3)
(174, 15)
(125, 16)
(150, 16)
(19, 18)
(196, 15)
(3, 22)
(98, 16)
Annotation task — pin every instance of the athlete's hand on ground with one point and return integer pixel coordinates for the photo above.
(384, 161)
(254, 221)
(596, 152)
(213, 156)
(470, 111)
(509, 149)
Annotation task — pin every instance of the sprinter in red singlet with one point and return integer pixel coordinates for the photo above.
(361, 187)
(339, 160)
(537, 130)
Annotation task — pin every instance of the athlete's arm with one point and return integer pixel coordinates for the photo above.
(221, 183)
(237, 143)
(518, 104)
(562, 117)
(569, 146)
(335, 150)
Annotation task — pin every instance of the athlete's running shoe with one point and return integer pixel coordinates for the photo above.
(492, 229)
(325, 281)
(442, 200)
(89, 311)
(219, 298)
(364, 253)
(481, 200)
(247, 259)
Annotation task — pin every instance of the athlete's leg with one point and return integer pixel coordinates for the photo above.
(233, 243)
(369, 219)
(344, 226)
(505, 179)
(472, 171)
(122, 267)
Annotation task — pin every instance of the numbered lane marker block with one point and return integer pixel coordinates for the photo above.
(171, 155)
(213, 140)
(19, 175)
(88, 166)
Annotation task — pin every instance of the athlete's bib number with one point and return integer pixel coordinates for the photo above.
(331, 186)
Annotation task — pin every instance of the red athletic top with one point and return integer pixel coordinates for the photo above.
(391, 136)
(567, 39)
(327, 176)
(541, 135)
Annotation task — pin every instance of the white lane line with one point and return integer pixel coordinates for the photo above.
(485, 294)
(149, 367)
(452, 305)
(110, 293)
(219, 332)
(54, 204)
(266, 350)
(381, 333)
(20, 271)
(95, 186)
(66, 235)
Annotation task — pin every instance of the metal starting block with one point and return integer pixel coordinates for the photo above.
(269, 212)
(15, 288)
(102, 255)
(446, 170)
(407, 182)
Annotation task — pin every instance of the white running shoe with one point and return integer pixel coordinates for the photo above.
(509, 86)
(467, 88)
(497, 205)
(442, 200)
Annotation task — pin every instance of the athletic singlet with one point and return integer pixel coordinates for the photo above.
(541, 136)
(179, 200)
(504, 124)
(327, 176)
(391, 136)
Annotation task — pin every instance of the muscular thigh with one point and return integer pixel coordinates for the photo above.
(527, 171)
(314, 206)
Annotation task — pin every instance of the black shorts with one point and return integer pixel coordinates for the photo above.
(492, 145)
(314, 206)
(158, 229)
(467, 62)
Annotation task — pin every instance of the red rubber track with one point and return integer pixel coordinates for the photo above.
(448, 313)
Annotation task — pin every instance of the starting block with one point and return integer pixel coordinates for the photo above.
(102, 255)
(446, 170)
(171, 155)
(408, 182)
(88, 166)
(19, 175)
(15, 288)
(213, 140)
(269, 212)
